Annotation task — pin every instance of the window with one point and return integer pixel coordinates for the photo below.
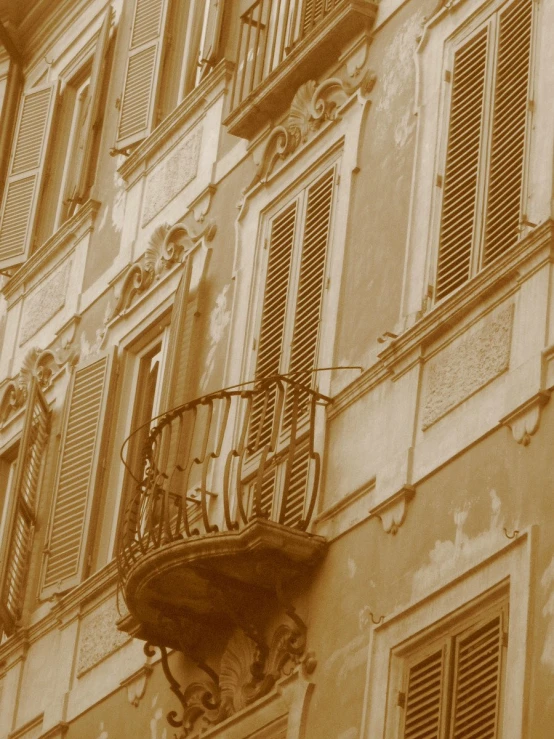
(452, 686)
(37, 148)
(20, 481)
(172, 40)
(288, 338)
(483, 205)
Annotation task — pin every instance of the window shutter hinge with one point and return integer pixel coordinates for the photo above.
(438, 181)
(447, 75)
(254, 345)
(266, 243)
(531, 106)
(328, 283)
(504, 638)
(118, 103)
(401, 699)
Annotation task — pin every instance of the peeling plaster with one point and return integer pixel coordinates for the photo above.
(219, 320)
(351, 733)
(449, 558)
(118, 202)
(103, 733)
(398, 61)
(154, 721)
(547, 581)
(350, 657)
(352, 568)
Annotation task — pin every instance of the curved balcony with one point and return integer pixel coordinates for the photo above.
(220, 494)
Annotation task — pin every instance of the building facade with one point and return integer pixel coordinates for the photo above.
(277, 350)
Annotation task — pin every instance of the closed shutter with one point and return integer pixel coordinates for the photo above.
(464, 152)
(138, 101)
(477, 676)
(17, 545)
(272, 329)
(307, 318)
(424, 697)
(511, 103)
(94, 111)
(81, 457)
(25, 176)
(211, 32)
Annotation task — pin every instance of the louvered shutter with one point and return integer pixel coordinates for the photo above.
(507, 157)
(139, 98)
(85, 431)
(25, 176)
(94, 112)
(272, 329)
(16, 547)
(459, 206)
(424, 697)
(211, 32)
(477, 678)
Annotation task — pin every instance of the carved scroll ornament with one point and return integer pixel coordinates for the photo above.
(313, 105)
(167, 246)
(40, 365)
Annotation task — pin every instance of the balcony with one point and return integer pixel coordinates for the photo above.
(284, 43)
(220, 495)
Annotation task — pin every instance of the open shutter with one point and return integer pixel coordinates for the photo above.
(459, 206)
(511, 106)
(25, 175)
(272, 329)
(94, 111)
(138, 101)
(85, 432)
(211, 32)
(17, 545)
(477, 677)
(424, 697)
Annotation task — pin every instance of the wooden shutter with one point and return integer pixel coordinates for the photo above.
(423, 700)
(459, 206)
(25, 176)
(17, 545)
(511, 104)
(94, 110)
(477, 677)
(139, 98)
(272, 329)
(85, 432)
(211, 32)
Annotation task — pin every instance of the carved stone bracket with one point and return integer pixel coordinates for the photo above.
(167, 246)
(524, 421)
(313, 105)
(136, 684)
(39, 364)
(248, 671)
(392, 511)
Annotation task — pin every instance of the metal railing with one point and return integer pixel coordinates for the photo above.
(252, 446)
(269, 30)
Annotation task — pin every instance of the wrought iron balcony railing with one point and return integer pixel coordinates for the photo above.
(269, 30)
(252, 447)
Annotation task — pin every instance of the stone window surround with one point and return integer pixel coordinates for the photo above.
(505, 567)
(454, 20)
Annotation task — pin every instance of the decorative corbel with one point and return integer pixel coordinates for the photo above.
(392, 511)
(525, 420)
(136, 683)
(200, 206)
(167, 247)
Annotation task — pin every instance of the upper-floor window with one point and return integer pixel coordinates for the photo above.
(172, 46)
(53, 155)
(483, 181)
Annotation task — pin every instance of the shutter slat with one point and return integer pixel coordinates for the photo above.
(422, 714)
(25, 174)
(462, 163)
(138, 101)
(77, 474)
(508, 133)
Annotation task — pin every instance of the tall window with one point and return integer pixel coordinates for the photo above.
(483, 179)
(453, 685)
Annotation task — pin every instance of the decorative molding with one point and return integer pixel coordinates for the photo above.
(249, 670)
(467, 364)
(392, 511)
(167, 247)
(524, 421)
(313, 105)
(200, 206)
(56, 732)
(136, 684)
(99, 636)
(30, 730)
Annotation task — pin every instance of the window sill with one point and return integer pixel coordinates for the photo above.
(274, 95)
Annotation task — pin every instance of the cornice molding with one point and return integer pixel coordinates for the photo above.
(203, 96)
(53, 250)
(501, 279)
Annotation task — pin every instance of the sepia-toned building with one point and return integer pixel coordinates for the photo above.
(277, 350)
